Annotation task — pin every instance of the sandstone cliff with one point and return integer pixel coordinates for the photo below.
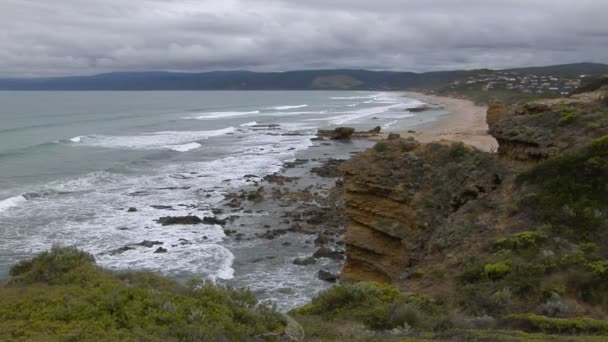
(400, 199)
(538, 130)
(496, 233)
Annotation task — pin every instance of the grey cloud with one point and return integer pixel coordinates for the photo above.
(66, 37)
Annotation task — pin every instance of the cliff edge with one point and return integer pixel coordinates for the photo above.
(518, 231)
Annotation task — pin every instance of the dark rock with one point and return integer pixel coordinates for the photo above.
(419, 109)
(132, 210)
(120, 250)
(325, 252)
(213, 220)
(272, 234)
(148, 244)
(162, 207)
(173, 220)
(340, 133)
(305, 261)
(375, 130)
(327, 276)
(160, 250)
(321, 240)
(329, 169)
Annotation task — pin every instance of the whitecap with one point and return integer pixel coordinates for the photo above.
(249, 124)
(288, 107)
(184, 147)
(219, 115)
(76, 139)
(353, 97)
(174, 140)
(11, 202)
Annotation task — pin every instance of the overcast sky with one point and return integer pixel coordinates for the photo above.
(73, 37)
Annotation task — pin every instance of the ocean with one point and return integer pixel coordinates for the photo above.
(72, 163)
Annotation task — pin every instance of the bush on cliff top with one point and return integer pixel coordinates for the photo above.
(62, 295)
(376, 306)
(572, 191)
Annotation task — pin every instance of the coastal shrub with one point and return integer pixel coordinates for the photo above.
(63, 295)
(377, 306)
(567, 115)
(496, 271)
(381, 146)
(535, 323)
(458, 150)
(51, 266)
(519, 241)
(572, 192)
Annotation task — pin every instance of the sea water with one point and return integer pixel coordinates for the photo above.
(72, 163)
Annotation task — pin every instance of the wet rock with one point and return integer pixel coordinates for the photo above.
(184, 242)
(272, 234)
(329, 169)
(278, 179)
(327, 276)
(160, 250)
(304, 261)
(132, 210)
(120, 250)
(375, 130)
(340, 133)
(419, 109)
(174, 220)
(213, 221)
(162, 207)
(149, 244)
(325, 252)
(321, 240)
(256, 196)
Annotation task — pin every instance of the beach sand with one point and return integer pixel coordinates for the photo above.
(465, 122)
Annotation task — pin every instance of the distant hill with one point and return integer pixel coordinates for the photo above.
(338, 79)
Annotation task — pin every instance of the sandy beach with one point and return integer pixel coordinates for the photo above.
(465, 122)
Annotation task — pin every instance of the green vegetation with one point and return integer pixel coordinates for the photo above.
(381, 146)
(63, 295)
(568, 114)
(572, 192)
(377, 307)
(535, 323)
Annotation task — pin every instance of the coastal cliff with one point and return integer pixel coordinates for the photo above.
(492, 231)
(400, 199)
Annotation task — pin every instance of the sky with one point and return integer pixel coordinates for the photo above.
(82, 37)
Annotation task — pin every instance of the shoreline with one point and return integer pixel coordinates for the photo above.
(465, 122)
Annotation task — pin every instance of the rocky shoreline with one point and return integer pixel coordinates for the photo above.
(286, 229)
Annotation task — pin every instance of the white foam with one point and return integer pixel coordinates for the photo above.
(361, 113)
(249, 124)
(353, 97)
(219, 115)
(288, 107)
(389, 124)
(11, 202)
(184, 147)
(76, 139)
(174, 140)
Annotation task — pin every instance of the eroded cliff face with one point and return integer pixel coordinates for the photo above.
(401, 198)
(542, 129)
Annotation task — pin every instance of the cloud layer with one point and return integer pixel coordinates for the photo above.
(70, 37)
